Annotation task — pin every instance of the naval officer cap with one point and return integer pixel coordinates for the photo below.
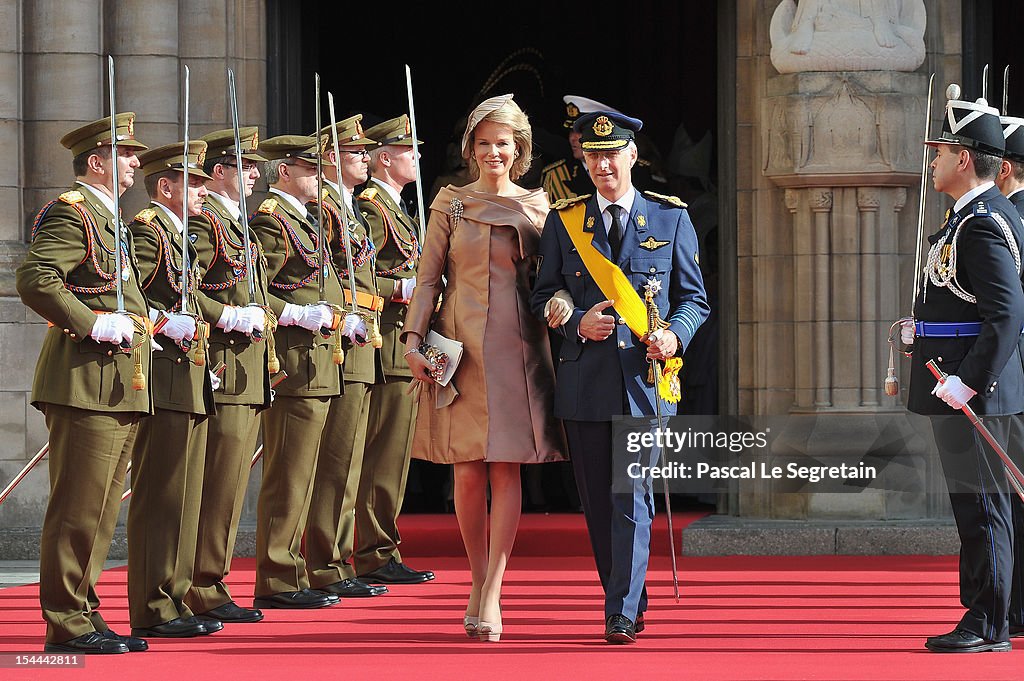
(303, 147)
(221, 143)
(577, 105)
(974, 125)
(606, 130)
(97, 134)
(169, 157)
(396, 131)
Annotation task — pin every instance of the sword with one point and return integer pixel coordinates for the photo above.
(119, 287)
(1010, 470)
(652, 286)
(322, 262)
(185, 344)
(25, 471)
(984, 83)
(421, 226)
(243, 215)
(1006, 89)
(346, 233)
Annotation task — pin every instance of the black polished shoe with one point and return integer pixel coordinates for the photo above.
(135, 645)
(303, 599)
(639, 626)
(396, 573)
(962, 641)
(93, 643)
(230, 612)
(619, 629)
(211, 626)
(354, 588)
(176, 628)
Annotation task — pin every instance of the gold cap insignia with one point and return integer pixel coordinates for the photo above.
(602, 126)
(324, 139)
(572, 110)
(131, 126)
(359, 130)
(408, 126)
(201, 158)
(255, 141)
(641, 220)
(651, 244)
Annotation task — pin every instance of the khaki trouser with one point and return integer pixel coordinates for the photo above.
(292, 430)
(230, 443)
(163, 516)
(89, 452)
(330, 529)
(385, 470)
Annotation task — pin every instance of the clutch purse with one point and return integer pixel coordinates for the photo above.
(443, 354)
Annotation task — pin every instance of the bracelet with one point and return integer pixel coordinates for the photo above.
(414, 351)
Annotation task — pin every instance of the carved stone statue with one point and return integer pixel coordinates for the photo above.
(848, 35)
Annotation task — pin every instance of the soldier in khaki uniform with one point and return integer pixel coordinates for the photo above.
(293, 427)
(244, 388)
(170, 452)
(330, 529)
(392, 408)
(84, 385)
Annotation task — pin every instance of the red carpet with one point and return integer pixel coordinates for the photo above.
(778, 618)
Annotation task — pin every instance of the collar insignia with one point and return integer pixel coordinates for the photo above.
(641, 220)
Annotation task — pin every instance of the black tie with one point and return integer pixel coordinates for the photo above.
(617, 230)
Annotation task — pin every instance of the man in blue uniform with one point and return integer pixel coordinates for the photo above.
(968, 319)
(604, 357)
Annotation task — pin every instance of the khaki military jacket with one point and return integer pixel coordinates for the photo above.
(289, 244)
(67, 277)
(178, 383)
(361, 362)
(398, 255)
(224, 281)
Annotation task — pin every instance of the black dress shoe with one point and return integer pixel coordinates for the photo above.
(211, 626)
(353, 588)
(619, 629)
(176, 628)
(230, 612)
(93, 643)
(962, 641)
(135, 645)
(639, 626)
(302, 599)
(396, 573)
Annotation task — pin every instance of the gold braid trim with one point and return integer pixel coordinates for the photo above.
(270, 326)
(144, 328)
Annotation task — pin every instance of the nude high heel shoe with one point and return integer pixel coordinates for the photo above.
(489, 631)
(471, 624)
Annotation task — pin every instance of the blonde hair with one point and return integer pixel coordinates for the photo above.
(522, 134)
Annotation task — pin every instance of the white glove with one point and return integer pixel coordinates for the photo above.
(178, 327)
(156, 346)
(953, 392)
(354, 329)
(310, 317)
(558, 310)
(112, 328)
(404, 289)
(242, 319)
(907, 331)
(215, 381)
(228, 318)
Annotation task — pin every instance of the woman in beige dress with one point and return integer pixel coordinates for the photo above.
(497, 412)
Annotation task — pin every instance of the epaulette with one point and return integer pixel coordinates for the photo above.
(268, 206)
(552, 166)
(73, 196)
(669, 200)
(146, 215)
(326, 193)
(368, 193)
(562, 204)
